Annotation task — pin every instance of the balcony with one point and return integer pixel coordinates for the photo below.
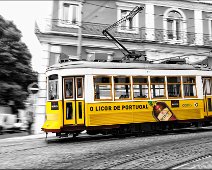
(94, 30)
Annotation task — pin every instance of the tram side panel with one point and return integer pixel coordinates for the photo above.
(119, 112)
(189, 109)
(105, 113)
(113, 113)
(170, 110)
(109, 113)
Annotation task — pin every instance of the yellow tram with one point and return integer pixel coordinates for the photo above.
(123, 97)
(114, 97)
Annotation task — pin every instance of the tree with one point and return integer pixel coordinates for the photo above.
(15, 67)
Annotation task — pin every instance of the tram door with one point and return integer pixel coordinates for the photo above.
(207, 89)
(73, 100)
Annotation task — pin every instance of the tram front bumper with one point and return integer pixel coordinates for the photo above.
(51, 126)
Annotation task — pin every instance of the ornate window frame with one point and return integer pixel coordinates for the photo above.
(183, 29)
(127, 7)
(61, 21)
(210, 26)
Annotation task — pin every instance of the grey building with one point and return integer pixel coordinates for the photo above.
(163, 30)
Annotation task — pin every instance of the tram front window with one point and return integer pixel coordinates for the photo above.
(69, 88)
(207, 86)
(53, 92)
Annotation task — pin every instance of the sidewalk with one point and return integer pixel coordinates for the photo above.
(34, 136)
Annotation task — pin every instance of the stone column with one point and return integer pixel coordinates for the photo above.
(150, 22)
(198, 24)
(40, 97)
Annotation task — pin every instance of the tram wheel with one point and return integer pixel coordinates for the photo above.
(75, 135)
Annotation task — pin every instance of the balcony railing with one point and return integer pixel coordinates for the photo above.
(142, 34)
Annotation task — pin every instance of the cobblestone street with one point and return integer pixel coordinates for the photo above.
(150, 152)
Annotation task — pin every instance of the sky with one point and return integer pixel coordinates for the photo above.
(23, 14)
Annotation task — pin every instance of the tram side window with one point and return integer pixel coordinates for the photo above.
(189, 86)
(174, 86)
(122, 88)
(207, 86)
(140, 87)
(102, 88)
(69, 87)
(157, 87)
(53, 92)
(79, 87)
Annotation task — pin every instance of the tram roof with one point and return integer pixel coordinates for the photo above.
(119, 65)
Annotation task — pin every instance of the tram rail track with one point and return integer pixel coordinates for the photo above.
(88, 138)
(154, 152)
(187, 163)
(155, 157)
(146, 157)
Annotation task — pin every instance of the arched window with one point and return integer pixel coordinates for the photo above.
(210, 25)
(174, 25)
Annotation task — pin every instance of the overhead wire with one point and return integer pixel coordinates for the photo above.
(157, 15)
(95, 10)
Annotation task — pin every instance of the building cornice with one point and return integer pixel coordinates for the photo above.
(183, 4)
(58, 39)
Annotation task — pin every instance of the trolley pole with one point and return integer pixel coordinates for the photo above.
(79, 42)
(79, 47)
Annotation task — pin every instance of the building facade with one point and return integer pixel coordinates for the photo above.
(162, 30)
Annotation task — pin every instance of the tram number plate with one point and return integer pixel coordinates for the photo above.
(54, 106)
(175, 103)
